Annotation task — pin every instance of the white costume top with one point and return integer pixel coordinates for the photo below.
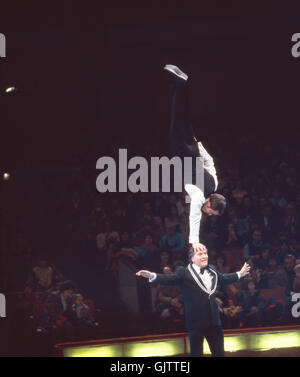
(197, 196)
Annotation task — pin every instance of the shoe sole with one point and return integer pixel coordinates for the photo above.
(176, 71)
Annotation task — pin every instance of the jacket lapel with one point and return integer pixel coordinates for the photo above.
(214, 281)
(199, 281)
(197, 278)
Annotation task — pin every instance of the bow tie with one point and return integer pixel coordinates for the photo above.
(202, 269)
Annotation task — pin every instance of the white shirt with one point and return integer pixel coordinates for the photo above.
(206, 277)
(197, 196)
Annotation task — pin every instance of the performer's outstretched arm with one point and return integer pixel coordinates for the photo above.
(164, 279)
(234, 276)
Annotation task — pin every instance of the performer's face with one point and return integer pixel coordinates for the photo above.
(208, 210)
(200, 258)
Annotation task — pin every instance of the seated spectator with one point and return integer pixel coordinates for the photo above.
(158, 229)
(82, 318)
(151, 253)
(125, 241)
(162, 204)
(43, 274)
(147, 207)
(288, 273)
(165, 260)
(57, 313)
(57, 284)
(278, 201)
(272, 274)
(297, 203)
(247, 209)
(169, 303)
(252, 307)
(184, 224)
(294, 246)
(256, 275)
(230, 315)
(180, 205)
(222, 295)
(221, 264)
(104, 236)
(242, 225)
(172, 220)
(263, 261)
(173, 242)
(130, 211)
(25, 303)
(232, 239)
(272, 312)
(290, 221)
(178, 263)
(118, 219)
(282, 252)
(268, 223)
(145, 223)
(212, 255)
(296, 282)
(239, 192)
(112, 249)
(212, 232)
(262, 204)
(254, 247)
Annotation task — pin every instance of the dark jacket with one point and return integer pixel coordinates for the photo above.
(54, 310)
(201, 309)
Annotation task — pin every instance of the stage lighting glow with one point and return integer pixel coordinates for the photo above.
(6, 176)
(281, 340)
(95, 351)
(155, 348)
(252, 341)
(232, 343)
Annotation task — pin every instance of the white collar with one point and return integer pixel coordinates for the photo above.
(198, 268)
(192, 266)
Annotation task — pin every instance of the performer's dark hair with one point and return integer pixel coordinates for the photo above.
(190, 253)
(217, 203)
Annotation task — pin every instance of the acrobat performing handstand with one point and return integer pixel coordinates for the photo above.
(185, 144)
(199, 280)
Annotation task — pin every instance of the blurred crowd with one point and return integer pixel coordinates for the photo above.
(91, 231)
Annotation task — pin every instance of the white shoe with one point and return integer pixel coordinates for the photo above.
(176, 71)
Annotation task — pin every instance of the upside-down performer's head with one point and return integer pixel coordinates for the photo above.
(215, 205)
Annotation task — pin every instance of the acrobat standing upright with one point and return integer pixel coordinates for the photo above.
(185, 144)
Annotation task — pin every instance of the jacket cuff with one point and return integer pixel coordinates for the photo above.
(152, 279)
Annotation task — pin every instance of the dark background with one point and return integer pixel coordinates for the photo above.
(90, 76)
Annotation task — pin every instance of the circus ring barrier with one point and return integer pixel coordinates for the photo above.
(243, 341)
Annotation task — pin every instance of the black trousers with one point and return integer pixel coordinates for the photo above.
(214, 337)
(183, 142)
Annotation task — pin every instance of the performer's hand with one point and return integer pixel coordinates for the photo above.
(198, 247)
(145, 274)
(245, 270)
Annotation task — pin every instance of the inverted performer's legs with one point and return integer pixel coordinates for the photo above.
(183, 142)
